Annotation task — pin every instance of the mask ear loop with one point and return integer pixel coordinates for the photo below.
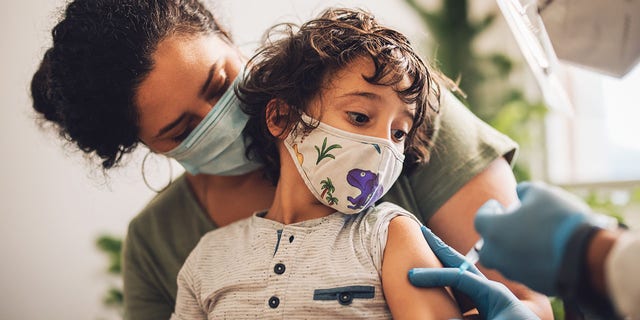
(144, 177)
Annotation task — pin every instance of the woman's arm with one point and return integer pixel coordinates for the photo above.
(406, 249)
(158, 241)
(143, 296)
(453, 222)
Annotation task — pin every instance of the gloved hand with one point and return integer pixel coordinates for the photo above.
(528, 244)
(493, 300)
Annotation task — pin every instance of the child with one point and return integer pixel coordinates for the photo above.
(333, 106)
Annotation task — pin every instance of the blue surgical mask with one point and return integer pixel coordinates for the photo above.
(216, 146)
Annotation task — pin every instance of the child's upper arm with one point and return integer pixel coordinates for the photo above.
(406, 249)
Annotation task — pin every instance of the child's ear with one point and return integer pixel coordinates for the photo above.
(275, 115)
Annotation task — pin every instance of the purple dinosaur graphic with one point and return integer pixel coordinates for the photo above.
(367, 182)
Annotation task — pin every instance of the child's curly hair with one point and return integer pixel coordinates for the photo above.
(294, 62)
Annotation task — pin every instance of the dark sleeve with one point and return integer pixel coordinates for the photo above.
(463, 147)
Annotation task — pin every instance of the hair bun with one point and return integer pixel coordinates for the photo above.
(101, 52)
(41, 90)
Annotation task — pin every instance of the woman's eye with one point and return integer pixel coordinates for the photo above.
(358, 118)
(218, 89)
(183, 135)
(398, 135)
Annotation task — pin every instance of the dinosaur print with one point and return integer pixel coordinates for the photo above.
(299, 155)
(367, 182)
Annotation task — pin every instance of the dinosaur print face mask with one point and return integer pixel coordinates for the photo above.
(346, 171)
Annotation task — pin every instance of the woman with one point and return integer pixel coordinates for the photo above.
(122, 72)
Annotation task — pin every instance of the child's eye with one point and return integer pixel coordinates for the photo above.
(398, 135)
(358, 118)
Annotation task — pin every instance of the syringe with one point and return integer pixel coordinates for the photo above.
(472, 256)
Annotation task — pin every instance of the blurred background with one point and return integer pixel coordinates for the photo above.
(62, 219)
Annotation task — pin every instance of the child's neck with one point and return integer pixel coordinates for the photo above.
(293, 200)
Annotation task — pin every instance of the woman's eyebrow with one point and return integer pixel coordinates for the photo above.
(213, 68)
(171, 125)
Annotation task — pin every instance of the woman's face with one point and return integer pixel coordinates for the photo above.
(188, 77)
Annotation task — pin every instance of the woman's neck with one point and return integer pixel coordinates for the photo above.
(230, 182)
(227, 199)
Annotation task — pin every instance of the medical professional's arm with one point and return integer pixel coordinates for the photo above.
(617, 254)
(453, 222)
(575, 258)
(597, 254)
(405, 249)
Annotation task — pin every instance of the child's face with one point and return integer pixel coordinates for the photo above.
(348, 102)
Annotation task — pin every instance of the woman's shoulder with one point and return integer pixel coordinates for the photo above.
(173, 215)
(176, 202)
(463, 147)
(461, 136)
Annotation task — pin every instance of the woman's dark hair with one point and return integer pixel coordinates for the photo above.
(101, 52)
(294, 62)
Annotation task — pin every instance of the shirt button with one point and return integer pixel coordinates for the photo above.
(274, 302)
(291, 239)
(279, 268)
(345, 298)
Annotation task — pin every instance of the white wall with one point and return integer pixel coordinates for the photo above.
(51, 209)
(53, 204)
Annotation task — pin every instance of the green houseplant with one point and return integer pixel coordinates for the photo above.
(483, 77)
(111, 246)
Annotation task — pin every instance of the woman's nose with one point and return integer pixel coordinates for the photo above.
(202, 111)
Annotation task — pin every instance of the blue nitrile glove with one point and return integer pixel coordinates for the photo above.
(529, 243)
(493, 300)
